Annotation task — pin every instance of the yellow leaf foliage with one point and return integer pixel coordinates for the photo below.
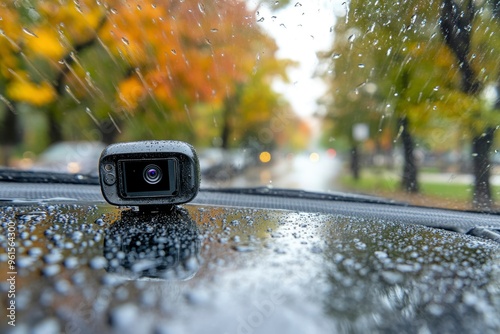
(131, 91)
(62, 28)
(22, 89)
(46, 43)
(188, 43)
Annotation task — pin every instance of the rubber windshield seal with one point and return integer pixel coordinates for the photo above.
(28, 176)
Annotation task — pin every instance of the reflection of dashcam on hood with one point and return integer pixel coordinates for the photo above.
(164, 246)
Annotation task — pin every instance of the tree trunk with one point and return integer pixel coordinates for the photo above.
(11, 134)
(109, 130)
(481, 148)
(455, 24)
(226, 127)
(355, 162)
(229, 113)
(409, 181)
(55, 131)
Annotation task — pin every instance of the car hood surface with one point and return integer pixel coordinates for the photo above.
(211, 269)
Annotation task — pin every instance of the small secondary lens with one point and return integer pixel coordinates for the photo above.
(152, 174)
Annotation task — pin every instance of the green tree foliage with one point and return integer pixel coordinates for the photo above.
(390, 63)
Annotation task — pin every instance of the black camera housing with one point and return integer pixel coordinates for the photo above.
(149, 173)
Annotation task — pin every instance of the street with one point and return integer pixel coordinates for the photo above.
(315, 172)
(312, 172)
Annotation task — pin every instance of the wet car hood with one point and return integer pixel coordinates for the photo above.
(92, 268)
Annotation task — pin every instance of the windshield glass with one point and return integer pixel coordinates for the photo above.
(393, 99)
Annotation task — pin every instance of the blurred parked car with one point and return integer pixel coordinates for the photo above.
(218, 164)
(71, 157)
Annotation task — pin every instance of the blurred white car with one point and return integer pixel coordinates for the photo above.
(71, 157)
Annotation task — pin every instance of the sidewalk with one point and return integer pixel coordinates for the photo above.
(454, 178)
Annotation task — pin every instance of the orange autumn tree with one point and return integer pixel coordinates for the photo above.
(151, 69)
(193, 63)
(41, 43)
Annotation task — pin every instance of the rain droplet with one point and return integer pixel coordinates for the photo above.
(125, 41)
(197, 297)
(52, 258)
(29, 32)
(123, 316)
(89, 112)
(98, 262)
(71, 262)
(413, 18)
(201, 7)
(51, 270)
(68, 90)
(392, 277)
(115, 124)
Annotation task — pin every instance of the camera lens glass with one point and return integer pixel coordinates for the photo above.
(148, 178)
(152, 174)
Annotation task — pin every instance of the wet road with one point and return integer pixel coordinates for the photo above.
(312, 172)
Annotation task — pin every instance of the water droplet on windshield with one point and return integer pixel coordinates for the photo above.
(29, 32)
(201, 7)
(68, 90)
(413, 18)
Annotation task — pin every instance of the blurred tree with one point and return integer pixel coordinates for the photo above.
(10, 131)
(458, 24)
(208, 53)
(45, 40)
(381, 63)
(145, 70)
(399, 50)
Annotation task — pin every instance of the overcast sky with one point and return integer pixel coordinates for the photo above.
(301, 30)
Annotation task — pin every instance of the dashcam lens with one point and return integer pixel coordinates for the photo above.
(152, 174)
(148, 178)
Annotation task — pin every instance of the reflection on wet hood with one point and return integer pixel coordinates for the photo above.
(413, 278)
(95, 269)
(159, 245)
